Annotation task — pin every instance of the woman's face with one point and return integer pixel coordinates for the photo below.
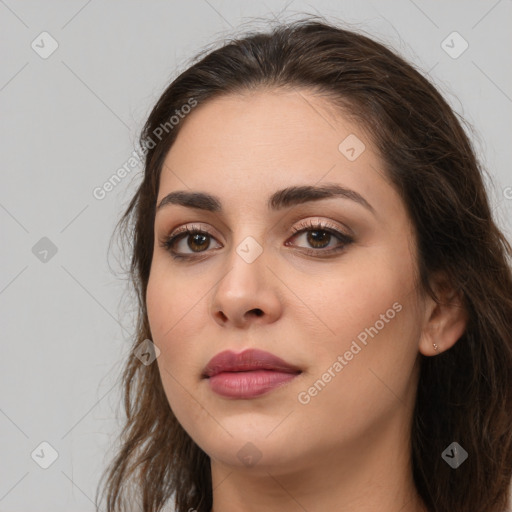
(343, 310)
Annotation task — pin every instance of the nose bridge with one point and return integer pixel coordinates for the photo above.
(246, 267)
(245, 291)
(247, 247)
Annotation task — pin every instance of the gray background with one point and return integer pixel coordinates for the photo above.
(70, 120)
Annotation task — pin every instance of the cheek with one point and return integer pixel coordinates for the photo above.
(374, 326)
(171, 301)
(175, 323)
(353, 298)
(368, 315)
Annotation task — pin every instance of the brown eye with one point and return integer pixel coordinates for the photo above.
(187, 242)
(197, 242)
(320, 239)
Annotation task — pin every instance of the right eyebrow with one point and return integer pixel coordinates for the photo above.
(199, 200)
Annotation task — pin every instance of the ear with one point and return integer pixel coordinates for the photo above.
(444, 323)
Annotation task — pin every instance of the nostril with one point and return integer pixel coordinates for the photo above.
(257, 311)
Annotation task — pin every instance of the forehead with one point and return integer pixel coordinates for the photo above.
(260, 141)
(277, 119)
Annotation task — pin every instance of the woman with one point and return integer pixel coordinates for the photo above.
(327, 293)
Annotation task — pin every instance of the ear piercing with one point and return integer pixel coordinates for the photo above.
(435, 346)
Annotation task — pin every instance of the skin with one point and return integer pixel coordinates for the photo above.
(348, 447)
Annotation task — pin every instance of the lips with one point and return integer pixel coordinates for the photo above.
(246, 361)
(247, 375)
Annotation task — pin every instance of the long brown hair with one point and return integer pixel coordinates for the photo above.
(465, 393)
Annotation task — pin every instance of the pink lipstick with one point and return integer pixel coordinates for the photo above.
(248, 374)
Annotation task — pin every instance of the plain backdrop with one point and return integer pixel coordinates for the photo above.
(77, 80)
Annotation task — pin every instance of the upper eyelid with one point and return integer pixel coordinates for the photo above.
(315, 222)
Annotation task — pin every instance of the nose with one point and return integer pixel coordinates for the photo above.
(246, 294)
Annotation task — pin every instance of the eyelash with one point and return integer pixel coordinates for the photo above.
(169, 242)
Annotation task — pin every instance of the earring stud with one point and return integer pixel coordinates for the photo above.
(435, 346)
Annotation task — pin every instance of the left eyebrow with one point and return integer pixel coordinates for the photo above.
(279, 200)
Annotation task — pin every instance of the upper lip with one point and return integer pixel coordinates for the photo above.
(251, 359)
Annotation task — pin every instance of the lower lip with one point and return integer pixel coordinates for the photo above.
(248, 384)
